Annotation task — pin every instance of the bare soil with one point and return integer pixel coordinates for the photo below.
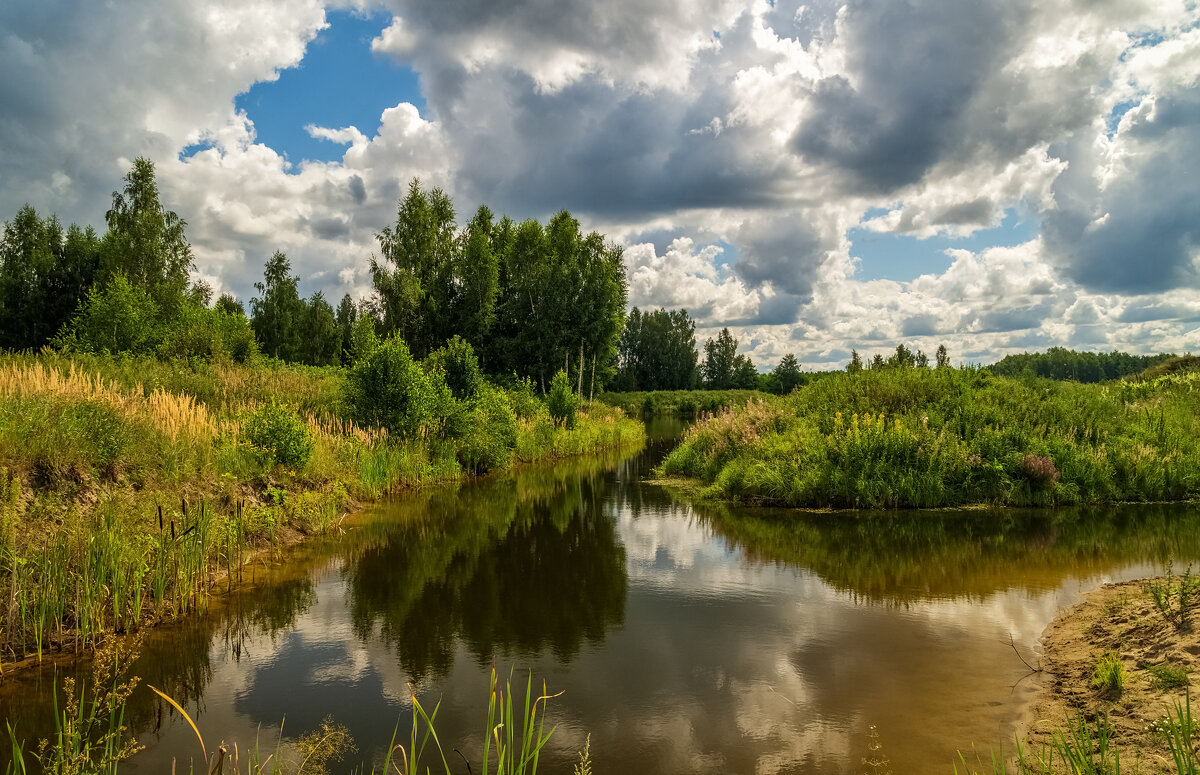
(1120, 618)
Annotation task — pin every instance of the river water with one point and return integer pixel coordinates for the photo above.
(684, 638)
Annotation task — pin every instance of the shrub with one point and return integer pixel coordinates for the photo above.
(209, 335)
(387, 388)
(363, 339)
(562, 402)
(490, 433)
(280, 430)
(116, 319)
(524, 400)
(1165, 676)
(457, 362)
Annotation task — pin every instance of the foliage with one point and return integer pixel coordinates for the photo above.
(389, 389)
(490, 434)
(117, 318)
(1167, 677)
(456, 360)
(44, 274)
(913, 437)
(657, 351)
(787, 375)
(145, 242)
(1062, 364)
(278, 429)
(686, 403)
(562, 402)
(363, 339)
(210, 335)
(276, 313)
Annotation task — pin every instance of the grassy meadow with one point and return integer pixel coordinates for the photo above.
(130, 488)
(915, 437)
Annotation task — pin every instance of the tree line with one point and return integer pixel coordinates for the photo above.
(530, 299)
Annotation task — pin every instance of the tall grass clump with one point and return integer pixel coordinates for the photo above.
(913, 437)
(1109, 674)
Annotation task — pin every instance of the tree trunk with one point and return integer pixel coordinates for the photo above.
(592, 389)
(579, 390)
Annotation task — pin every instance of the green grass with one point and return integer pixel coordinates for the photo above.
(132, 489)
(1166, 677)
(1109, 674)
(912, 437)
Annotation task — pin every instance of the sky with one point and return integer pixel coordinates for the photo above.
(997, 176)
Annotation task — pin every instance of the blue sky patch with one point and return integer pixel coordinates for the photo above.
(339, 83)
(902, 257)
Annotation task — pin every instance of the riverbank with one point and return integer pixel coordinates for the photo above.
(131, 487)
(926, 438)
(1120, 665)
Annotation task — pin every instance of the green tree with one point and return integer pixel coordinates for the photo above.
(230, 305)
(277, 313)
(941, 357)
(476, 282)
(363, 338)
(456, 360)
(855, 365)
(320, 338)
(787, 374)
(657, 351)
(44, 275)
(347, 314)
(146, 242)
(415, 277)
(720, 361)
(745, 375)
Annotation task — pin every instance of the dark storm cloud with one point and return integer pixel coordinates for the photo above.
(1140, 233)
(919, 325)
(330, 228)
(358, 189)
(1016, 319)
(1146, 312)
(785, 252)
(918, 65)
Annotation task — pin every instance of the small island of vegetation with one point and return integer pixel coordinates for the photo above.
(905, 436)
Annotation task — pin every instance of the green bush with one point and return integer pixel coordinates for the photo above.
(457, 362)
(388, 389)
(524, 399)
(209, 335)
(562, 402)
(490, 434)
(280, 430)
(118, 318)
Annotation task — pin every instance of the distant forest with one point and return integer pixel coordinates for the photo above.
(531, 299)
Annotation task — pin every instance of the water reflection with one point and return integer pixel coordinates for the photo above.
(514, 566)
(688, 638)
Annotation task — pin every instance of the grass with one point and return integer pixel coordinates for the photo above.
(1173, 595)
(91, 737)
(130, 490)
(1109, 674)
(1166, 677)
(909, 437)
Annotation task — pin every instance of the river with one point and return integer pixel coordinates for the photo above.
(684, 638)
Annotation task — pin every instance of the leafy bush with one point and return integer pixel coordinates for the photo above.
(387, 388)
(457, 361)
(118, 318)
(490, 434)
(524, 400)
(209, 335)
(363, 339)
(562, 402)
(277, 428)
